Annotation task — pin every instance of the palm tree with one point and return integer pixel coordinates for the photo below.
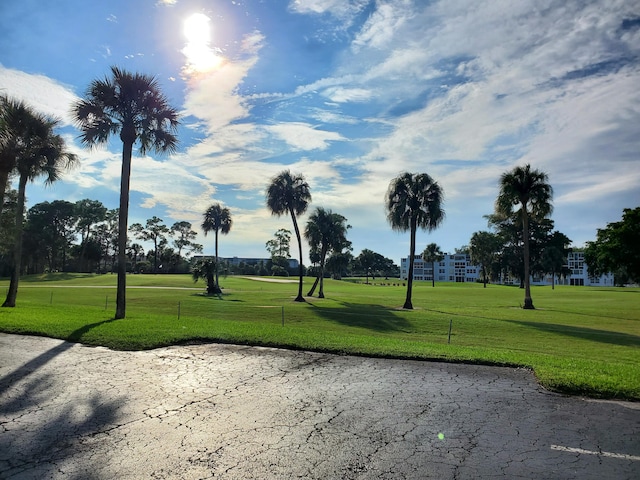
(432, 254)
(326, 232)
(290, 194)
(206, 269)
(217, 219)
(132, 106)
(414, 200)
(527, 189)
(19, 127)
(43, 153)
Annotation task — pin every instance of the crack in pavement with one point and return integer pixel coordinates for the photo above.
(237, 412)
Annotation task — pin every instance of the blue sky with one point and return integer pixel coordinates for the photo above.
(350, 94)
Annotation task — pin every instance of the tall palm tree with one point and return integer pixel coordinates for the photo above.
(414, 200)
(217, 219)
(20, 126)
(326, 232)
(432, 254)
(530, 191)
(131, 105)
(288, 193)
(44, 154)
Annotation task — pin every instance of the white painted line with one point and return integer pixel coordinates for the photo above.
(621, 456)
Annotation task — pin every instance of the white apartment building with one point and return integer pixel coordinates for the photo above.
(579, 274)
(458, 268)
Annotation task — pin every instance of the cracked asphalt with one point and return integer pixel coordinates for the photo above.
(233, 412)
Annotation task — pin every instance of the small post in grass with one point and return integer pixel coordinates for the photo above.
(450, 325)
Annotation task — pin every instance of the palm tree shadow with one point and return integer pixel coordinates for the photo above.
(37, 444)
(34, 364)
(378, 318)
(592, 334)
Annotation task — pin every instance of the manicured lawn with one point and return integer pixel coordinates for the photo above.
(579, 340)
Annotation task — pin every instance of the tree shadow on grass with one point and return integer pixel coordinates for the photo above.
(584, 333)
(379, 318)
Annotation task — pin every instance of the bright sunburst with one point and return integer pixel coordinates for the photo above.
(201, 57)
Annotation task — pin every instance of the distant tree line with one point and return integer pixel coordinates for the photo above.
(82, 236)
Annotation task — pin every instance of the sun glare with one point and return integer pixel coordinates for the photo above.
(201, 57)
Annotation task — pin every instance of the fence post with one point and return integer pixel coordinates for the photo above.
(450, 324)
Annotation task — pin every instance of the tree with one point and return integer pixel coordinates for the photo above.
(554, 255)
(153, 231)
(529, 191)
(206, 269)
(217, 219)
(432, 254)
(617, 247)
(326, 232)
(52, 223)
(89, 213)
(20, 126)
(290, 194)
(45, 154)
(414, 200)
(338, 263)
(278, 246)
(184, 237)
(132, 106)
(484, 249)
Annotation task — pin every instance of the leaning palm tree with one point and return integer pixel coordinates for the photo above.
(432, 254)
(132, 106)
(326, 232)
(44, 154)
(527, 189)
(217, 219)
(290, 194)
(414, 200)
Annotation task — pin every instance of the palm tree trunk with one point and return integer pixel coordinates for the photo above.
(4, 178)
(528, 302)
(12, 294)
(216, 265)
(313, 288)
(412, 251)
(433, 274)
(299, 298)
(123, 218)
(484, 275)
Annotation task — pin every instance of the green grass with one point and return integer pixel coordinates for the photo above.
(579, 340)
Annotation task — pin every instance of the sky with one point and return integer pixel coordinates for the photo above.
(350, 94)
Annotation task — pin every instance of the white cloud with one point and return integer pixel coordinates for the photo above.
(341, 95)
(301, 136)
(42, 93)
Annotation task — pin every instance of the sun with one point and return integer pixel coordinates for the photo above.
(201, 57)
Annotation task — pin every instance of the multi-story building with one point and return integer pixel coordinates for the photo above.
(453, 268)
(579, 274)
(457, 267)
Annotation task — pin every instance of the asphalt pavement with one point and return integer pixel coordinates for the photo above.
(212, 411)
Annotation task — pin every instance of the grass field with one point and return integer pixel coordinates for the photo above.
(579, 340)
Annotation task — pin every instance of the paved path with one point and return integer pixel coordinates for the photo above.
(215, 411)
